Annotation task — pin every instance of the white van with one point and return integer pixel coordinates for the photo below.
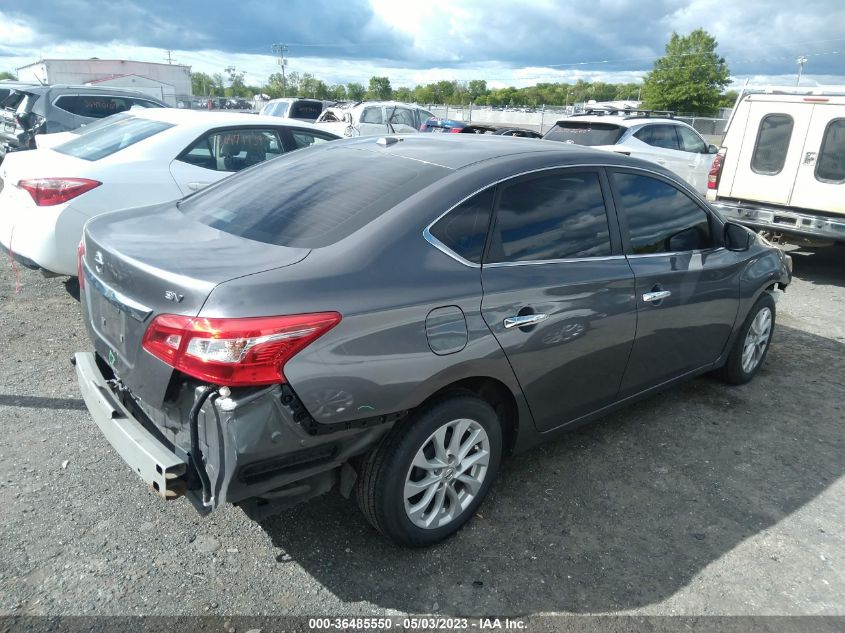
(781, 167)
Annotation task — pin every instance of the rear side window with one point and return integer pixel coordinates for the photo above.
(302, 138)
(584, 133)
(661, 218)
(310, 199)
(830, 166)
(663, 136)
(464, 229)
(107, 140)
(556, 216)
(372, 115)
(305, 109)
(772, 144)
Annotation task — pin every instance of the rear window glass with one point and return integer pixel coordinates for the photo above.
(772, 144)
(107, 140)
(831, 164)
(99, 106)
(275, 109)
(310, 198)
(85, 128)
(305, 110)
(584, 133)
(19, 101)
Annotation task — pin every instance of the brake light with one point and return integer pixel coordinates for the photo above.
(80, 255)
(47, 192)
(234, 352)
(456, 130)
(715, 170)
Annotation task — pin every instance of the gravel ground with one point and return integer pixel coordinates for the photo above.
(705, 500)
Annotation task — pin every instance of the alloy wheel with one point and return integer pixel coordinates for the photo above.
(756, 340)
(447, 473)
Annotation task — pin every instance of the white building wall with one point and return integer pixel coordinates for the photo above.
(82, 71)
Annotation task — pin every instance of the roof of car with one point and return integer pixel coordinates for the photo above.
(622, 120)
(206, 118)
(455, 151)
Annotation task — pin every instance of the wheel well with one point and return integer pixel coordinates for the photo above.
(497, 395)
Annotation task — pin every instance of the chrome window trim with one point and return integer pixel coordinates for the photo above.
(698, 251)
(137, 311)
(447, 251)
(567, 260)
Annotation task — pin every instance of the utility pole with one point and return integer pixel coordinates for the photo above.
(281, 49)
(170, 59)
(801, 61)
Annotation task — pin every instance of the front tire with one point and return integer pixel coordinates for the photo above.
(430, 474)
(752, 344)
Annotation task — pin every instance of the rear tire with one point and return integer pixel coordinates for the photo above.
(429, 475)
(752, 344)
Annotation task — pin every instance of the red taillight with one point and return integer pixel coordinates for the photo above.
(47, 192)
(234, 352)
(456, 130)
(80, 255)
(715, 170)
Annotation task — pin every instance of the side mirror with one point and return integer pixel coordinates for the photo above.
(737, 237)
(712, 149)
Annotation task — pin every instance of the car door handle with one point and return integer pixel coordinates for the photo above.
(658, 295)
(524, 320)
(196, 186)
(660, 161)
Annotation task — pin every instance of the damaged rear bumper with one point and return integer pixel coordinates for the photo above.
(256, 450)
(160, 467)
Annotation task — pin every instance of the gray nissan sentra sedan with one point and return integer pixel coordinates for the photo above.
(394, 316)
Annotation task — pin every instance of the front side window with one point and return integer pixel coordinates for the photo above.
(661, 218)
(662, 136)
(556, 216)
(772, 144)
(233, 150)
(401, 116)
(464, 229)
(105, 141)
(423, 116)
(830, 166)
(690, 141)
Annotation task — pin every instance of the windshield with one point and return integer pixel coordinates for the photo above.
(585, 133)
(310, 198)
(107, 140)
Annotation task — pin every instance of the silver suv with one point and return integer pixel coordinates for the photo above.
(33, 109)
(652, 135)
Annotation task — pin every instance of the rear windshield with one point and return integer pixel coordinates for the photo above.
(305, 110)
(19, 101)
(85, 128)
(585, 133)
(310, 198)
(107, 140)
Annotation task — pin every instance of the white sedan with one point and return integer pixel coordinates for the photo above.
(132, 159)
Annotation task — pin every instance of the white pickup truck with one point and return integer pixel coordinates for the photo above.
(781, 167)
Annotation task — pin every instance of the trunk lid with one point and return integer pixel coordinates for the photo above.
(145, 262)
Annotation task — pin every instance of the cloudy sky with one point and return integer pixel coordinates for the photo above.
(519, 42)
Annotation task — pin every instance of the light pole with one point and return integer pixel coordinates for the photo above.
(801, 61)
(281, 49)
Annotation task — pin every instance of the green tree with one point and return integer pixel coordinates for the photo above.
(477, 88)
(402, 94)
(201, 83)
(218, 88)
(379, 88)
(728, 100)
(7, 75)
(689, 78)
(355, 92)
